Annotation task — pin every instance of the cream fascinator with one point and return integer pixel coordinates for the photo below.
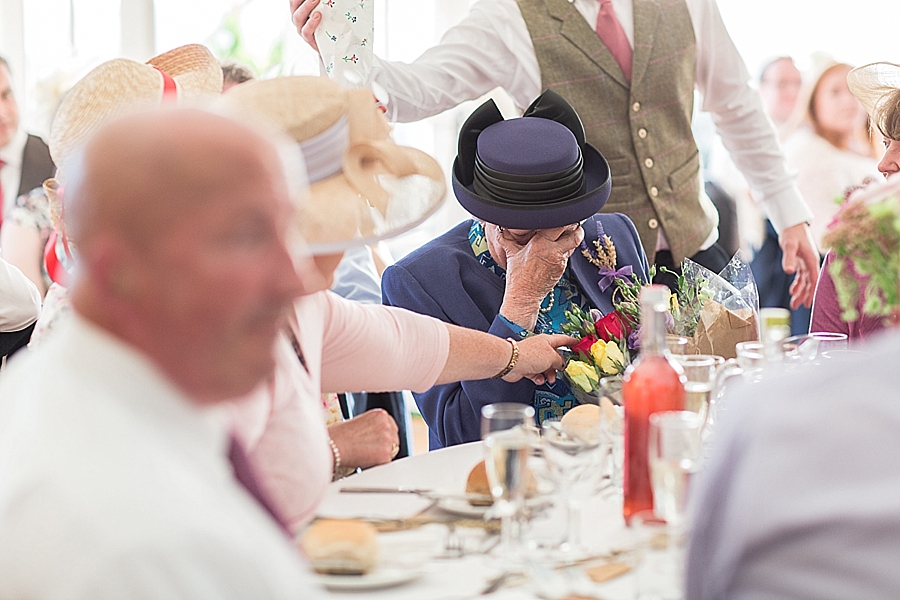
(363, 186)
(873, 84)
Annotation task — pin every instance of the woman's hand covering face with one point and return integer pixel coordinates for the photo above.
(533, 267)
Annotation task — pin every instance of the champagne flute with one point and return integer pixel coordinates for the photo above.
(674, 450)
(505, 433)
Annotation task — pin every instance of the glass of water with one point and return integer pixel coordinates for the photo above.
(505, 431)
(674, 451)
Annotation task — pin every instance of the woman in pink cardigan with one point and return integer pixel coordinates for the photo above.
(336, 345)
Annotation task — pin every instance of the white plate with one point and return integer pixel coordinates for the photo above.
(381, 577)
(462, 508)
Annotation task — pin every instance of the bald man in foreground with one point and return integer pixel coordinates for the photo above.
(114, 481)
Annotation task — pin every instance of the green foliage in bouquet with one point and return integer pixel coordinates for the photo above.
(866, 237)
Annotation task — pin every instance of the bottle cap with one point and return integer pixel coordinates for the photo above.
(774, 317)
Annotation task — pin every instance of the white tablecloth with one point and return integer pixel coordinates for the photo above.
(454, 579)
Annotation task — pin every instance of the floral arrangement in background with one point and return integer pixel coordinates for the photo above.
(865, 236)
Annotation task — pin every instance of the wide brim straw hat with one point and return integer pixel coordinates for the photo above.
(187, 75)
(534, 172)
(363, 187)
(871, 84)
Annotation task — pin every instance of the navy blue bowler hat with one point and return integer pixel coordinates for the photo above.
(536, 172)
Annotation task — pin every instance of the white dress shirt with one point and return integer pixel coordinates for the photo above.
(20, 300)
(491, 47)
(114, 485)
(801, 498)
(11, 172)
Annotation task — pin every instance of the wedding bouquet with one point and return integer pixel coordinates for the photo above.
(865, 236)
(715, 311)
(603, 349)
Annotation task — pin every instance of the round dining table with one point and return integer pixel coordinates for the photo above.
(440, 552)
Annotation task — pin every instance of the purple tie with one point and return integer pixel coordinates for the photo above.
(244, 473)
(613, 35)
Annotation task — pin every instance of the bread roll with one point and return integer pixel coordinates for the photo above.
(582, 423)
(341, 546)
(477, 483)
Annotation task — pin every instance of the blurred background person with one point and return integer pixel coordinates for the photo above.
(20, 305)
(235, 74)
(779, 85)
(830, 150)
(25, 164)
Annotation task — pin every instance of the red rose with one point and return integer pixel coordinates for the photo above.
(584, 345)
(612, 326)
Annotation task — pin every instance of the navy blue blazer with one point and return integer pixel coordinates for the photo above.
(443, 279)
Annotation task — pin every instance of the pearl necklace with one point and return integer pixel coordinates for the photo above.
(552, 298)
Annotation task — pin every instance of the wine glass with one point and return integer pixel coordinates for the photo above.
(575, 461)
(830, 342)
(505, 433)
(612, 423)
(674, 450)
(700, 371)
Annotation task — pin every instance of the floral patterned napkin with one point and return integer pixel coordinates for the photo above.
(345, 40)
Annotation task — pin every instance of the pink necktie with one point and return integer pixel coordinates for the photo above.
(613, 35)
(244, 473)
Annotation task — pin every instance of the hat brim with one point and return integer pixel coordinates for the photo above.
(871, 83)
(542, 215)
(411, 200)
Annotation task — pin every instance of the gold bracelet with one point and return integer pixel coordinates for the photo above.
(512, 360)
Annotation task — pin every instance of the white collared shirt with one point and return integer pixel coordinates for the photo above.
(11, 172)
(20, 300)
(491, 47)
(113, 484)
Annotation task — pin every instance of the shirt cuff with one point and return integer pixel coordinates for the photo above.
(516, 329)
(786, 209)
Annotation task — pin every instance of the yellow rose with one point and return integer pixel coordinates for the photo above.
(582, 375)
(598, 351)
(613, 360)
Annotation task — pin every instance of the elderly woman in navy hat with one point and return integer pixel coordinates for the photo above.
(534, 186)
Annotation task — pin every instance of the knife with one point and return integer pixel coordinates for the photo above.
(430, 494)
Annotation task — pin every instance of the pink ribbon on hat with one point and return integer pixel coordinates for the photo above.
(170, 89)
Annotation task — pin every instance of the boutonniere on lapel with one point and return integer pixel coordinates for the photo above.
(603, 256)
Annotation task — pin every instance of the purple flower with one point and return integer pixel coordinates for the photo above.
(634, 340)
(670, 322)
(596, 315)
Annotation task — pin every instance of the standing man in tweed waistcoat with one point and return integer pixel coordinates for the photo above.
(636, 112)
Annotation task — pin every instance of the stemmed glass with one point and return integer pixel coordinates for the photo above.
(505, 433)
(700, 371)
(575, 460)
(612, 423)
(674, 450)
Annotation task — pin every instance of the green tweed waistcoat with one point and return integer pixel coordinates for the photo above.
(643, 128)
